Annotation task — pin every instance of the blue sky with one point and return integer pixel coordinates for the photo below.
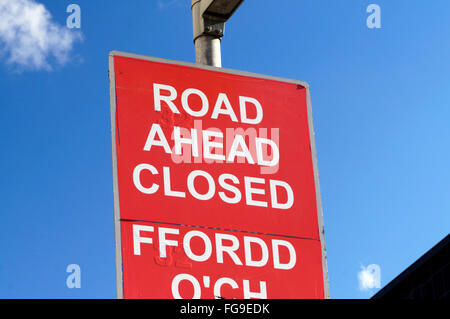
(381, 107)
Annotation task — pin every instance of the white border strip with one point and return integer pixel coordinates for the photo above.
(117, 231)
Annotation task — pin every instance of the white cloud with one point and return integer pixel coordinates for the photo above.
(29, 39)
(163, 4)
(369, 277)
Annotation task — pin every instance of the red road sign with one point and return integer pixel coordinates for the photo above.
(197, 263)
(232, 155)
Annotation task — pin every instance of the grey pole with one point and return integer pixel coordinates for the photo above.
(207, 50)
(208, 21)
(206, 37)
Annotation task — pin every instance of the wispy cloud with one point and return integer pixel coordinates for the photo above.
(29, 39)
(369, 277)
(163, 4)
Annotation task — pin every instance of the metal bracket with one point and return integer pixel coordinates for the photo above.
(205, 25)
(213, 28)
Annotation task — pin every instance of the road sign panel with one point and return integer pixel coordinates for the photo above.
(192, 262)
(212, 148)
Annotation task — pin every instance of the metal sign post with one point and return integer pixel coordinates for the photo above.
(208, 21)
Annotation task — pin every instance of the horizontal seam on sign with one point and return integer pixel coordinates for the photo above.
(206, 227)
